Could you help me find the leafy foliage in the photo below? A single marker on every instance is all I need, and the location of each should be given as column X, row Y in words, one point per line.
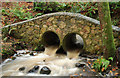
column 21, row 13
column 39, row 14
column 101, row 64
column 18, row 13
column 15, row 14
column 7, row 52
column 88, row 8
column 114, row 6
column 4, row 12
column 49, row 7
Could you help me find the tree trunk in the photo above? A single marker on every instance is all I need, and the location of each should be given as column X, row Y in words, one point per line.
column 106, row 27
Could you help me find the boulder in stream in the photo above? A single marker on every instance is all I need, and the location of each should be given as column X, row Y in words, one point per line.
column 31, row 54
column 79, row 65
column 34, row 69
column 22, row 69
column 45, row 70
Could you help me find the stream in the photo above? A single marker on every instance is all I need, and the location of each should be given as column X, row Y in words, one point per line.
column 59, row 65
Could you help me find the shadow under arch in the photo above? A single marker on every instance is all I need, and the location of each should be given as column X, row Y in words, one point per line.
column 50, row 38
column 73, row 41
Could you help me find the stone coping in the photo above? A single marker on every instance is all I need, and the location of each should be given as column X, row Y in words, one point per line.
column 78, row 15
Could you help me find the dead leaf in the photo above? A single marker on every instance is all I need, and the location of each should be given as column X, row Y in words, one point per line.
column 103, row 69
column 113, row 69
column 116, row 74
column 93, row 70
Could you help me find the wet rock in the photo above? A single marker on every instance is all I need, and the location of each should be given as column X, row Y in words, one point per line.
column 22, row 69
column 44, row 60
column 18, row 55
column 79, row 65
column 91, row 57
column 31, row 54
column 84, row 60
column 34, row 69
column 31, row 71
column 83, row 55
column 45, row 70
column 13, row 58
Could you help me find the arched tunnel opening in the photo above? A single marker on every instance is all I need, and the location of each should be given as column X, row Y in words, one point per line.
column 50, row 38
column 73, row 43
column 51, row 42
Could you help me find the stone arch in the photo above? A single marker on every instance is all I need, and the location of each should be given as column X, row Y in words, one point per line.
column 61, row 23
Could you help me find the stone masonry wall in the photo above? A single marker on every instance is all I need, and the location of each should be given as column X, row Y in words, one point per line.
column 61, row 23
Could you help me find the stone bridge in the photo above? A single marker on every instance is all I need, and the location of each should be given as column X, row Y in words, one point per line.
column 61, row 23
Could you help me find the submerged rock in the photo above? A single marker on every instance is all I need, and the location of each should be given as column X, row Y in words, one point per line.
column 34, row 69
column 31, row 54
column 22, row 69
column 79, row 65
column 31, row 71
column 45, row 70
column 13, row 58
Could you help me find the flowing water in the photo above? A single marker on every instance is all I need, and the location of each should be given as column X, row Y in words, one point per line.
column 59, row 66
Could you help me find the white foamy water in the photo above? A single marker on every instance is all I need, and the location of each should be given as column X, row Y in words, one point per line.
column 58, row 66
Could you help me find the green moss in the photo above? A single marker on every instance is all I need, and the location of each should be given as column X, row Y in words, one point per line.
column 108, row 38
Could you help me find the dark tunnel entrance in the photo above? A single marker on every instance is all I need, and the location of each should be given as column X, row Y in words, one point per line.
column 50, row 38
column 73, row 41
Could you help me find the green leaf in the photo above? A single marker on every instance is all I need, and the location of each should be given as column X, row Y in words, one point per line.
column 38, row 14
column 17, row 14
column 50, row 9
column 64, row 4
column 5, row 39
column 111, row 58
column 3, row 10
column 106, row 64
column 26, row 18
